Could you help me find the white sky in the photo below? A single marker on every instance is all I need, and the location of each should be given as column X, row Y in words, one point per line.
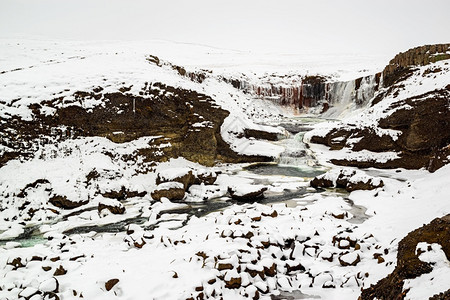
column 288, row 26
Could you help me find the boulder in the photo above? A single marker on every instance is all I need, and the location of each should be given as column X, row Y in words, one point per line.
column 49, row 285
column 170, row 190
column 247, row 192
column 111, row 283
column 349, row 259
column 114, row 206
column 184, row 176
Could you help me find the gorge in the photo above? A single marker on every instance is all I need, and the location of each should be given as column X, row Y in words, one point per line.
column 124, row 175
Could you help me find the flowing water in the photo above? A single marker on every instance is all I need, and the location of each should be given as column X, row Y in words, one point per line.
column 296, row 162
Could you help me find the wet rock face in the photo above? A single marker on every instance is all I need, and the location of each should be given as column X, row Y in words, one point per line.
column 189, row 121
column 408, row 263
column 401, row 65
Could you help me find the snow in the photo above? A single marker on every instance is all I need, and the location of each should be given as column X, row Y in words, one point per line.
column 164, row 239
column 170, row 185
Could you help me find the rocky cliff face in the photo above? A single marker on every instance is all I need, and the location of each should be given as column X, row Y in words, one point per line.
column 184, row 124
column 402, row 64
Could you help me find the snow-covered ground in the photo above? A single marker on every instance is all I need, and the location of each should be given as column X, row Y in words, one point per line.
column 312, row 245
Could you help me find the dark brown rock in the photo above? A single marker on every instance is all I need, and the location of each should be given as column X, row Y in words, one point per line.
column 260, row 134
column 353, row 263
column 320, row 182
column 63, row 202
column 187, row 179
column 222, row 266
column 60, row 271
column 111, row 283
column 114, row 209
column 16, row 263
column 171, row 193
column 252, row 196
column 401, row 64
column 160, row 111
column 123, row 194
column 233, row 283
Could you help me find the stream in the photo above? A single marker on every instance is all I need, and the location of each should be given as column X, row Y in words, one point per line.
column 297, row 161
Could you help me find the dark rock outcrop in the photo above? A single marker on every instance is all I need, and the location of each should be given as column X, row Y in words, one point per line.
column 408, row 263
column 63, row 202
column 175, row 114
column 347, row 179
column 401, row 66
column 260, row 134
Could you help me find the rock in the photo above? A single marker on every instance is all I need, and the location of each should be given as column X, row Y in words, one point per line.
column 222, row 266
column 111, row 283
column 419, row 56
column 16, row 263
column 260, row 134
column 207, row 178
column 247, row 193
column 233, row 283
column 123, row 194
column 63, row 202
column 28, row 292
column 49, row 285
column 348, row 179
column 184, row 176
column 408, row 263
column 170, row 190
column 60, row 271
column 321, row 182
column 349, row 259
column 271, row 271
column 114, row 206
column 441, row 296
column 193, row 134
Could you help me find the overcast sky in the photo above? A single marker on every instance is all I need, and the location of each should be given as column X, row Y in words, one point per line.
column 288, row 26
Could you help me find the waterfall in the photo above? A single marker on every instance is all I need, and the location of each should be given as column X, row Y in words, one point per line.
column 296, row 153
column 313, row 91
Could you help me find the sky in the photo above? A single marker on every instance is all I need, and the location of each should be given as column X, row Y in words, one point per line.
column 281, row 26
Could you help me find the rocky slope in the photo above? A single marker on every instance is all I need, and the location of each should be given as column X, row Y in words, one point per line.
column 409, row 262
